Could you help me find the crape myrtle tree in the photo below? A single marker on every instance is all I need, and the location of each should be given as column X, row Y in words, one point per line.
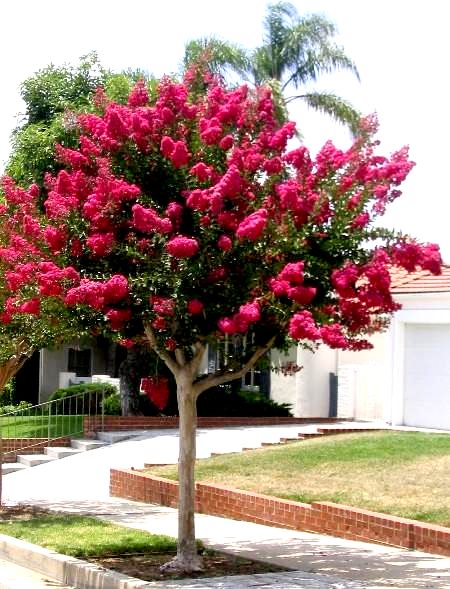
column 41, row 321
column 181, row 221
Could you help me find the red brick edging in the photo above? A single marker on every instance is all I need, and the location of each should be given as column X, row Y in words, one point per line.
column 323, row 517
column 117, row 422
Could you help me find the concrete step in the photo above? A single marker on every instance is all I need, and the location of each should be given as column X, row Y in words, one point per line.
column 113, row 437
column 86, row 444
column 9, row 467
column 61, row 451
column 34, row 459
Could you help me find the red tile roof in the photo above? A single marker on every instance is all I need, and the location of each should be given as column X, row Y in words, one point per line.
column 421, row 281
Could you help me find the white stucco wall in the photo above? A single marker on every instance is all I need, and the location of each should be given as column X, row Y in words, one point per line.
column 52, row 362
column 307, row 390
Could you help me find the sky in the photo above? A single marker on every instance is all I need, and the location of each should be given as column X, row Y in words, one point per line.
column 401, row 49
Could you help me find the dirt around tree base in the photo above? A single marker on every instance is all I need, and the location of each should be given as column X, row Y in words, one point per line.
column 147, row 566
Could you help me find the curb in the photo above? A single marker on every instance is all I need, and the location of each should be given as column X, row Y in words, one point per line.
column 65, row 569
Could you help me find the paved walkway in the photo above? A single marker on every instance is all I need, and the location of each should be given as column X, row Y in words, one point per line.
column 80, row 484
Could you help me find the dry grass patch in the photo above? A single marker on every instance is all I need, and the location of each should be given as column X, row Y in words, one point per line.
column 405, row 474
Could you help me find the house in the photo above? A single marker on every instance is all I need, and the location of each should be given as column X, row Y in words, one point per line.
column 72, row 363
column 403, row 380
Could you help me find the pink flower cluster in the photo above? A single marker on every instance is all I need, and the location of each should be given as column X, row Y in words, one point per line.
column 182, row 247
column 303, row 327
column 118, row 318
column 289, row 283
column 195, row 307
column 252, row 227
column 412, row 255
column 100, row 244
column 364, row 291
column 163, row 305
column 139, row 95
column 148, row 221
column 56, row 237
column 176, row 151
column 98, row 294
column 241, row 321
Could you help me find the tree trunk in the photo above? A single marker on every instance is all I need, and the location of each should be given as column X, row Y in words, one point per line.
column 187, row 559
column 130, row 376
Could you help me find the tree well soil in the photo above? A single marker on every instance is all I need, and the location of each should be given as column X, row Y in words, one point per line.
column 147, row 566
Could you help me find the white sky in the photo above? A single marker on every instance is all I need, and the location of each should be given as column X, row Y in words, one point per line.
column 401, row 48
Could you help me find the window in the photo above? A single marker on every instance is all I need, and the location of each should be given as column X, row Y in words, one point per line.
column 79, row 361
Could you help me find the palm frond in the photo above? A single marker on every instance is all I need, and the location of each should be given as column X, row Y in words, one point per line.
column 221, row 56
column 336, row 107
column 309, row 66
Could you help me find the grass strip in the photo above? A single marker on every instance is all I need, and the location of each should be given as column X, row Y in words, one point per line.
column 84, row 537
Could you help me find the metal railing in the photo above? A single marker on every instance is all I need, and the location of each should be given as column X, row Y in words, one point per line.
column 43, row 424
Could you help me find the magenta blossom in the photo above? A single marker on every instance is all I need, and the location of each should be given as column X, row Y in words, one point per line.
column 195, row 307
column 252, row 227
column 224, row 243
column 182, row 247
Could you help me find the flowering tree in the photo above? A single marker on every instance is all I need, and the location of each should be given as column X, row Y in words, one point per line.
column 181, row 221
column 36, row 322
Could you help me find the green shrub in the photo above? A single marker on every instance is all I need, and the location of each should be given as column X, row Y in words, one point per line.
column 12, row 408
column 222, row 401
column 94, row 394
column 111, row 404
column 7, row 395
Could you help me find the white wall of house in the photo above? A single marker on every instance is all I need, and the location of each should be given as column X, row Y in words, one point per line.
column 53, row 362
column 364, row 381
column 307, row 391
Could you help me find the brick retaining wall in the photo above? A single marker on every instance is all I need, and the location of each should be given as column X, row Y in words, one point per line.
column 13, row 446
column 323, row 517
column 116, row 422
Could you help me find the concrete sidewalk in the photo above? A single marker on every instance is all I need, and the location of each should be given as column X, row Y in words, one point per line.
column 79, row 484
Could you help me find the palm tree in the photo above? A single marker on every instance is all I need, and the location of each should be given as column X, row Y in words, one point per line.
column 295, row 51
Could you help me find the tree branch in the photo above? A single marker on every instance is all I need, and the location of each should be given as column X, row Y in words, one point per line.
column 216, row 379
column 180, row 357
column 197, row 358
column 165, row 356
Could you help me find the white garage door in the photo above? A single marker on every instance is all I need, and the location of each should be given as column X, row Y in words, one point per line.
column 427, row 376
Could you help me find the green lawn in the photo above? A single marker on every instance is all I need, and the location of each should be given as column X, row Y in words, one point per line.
column 85, row 536
column 402, row 473
column 40, row 426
